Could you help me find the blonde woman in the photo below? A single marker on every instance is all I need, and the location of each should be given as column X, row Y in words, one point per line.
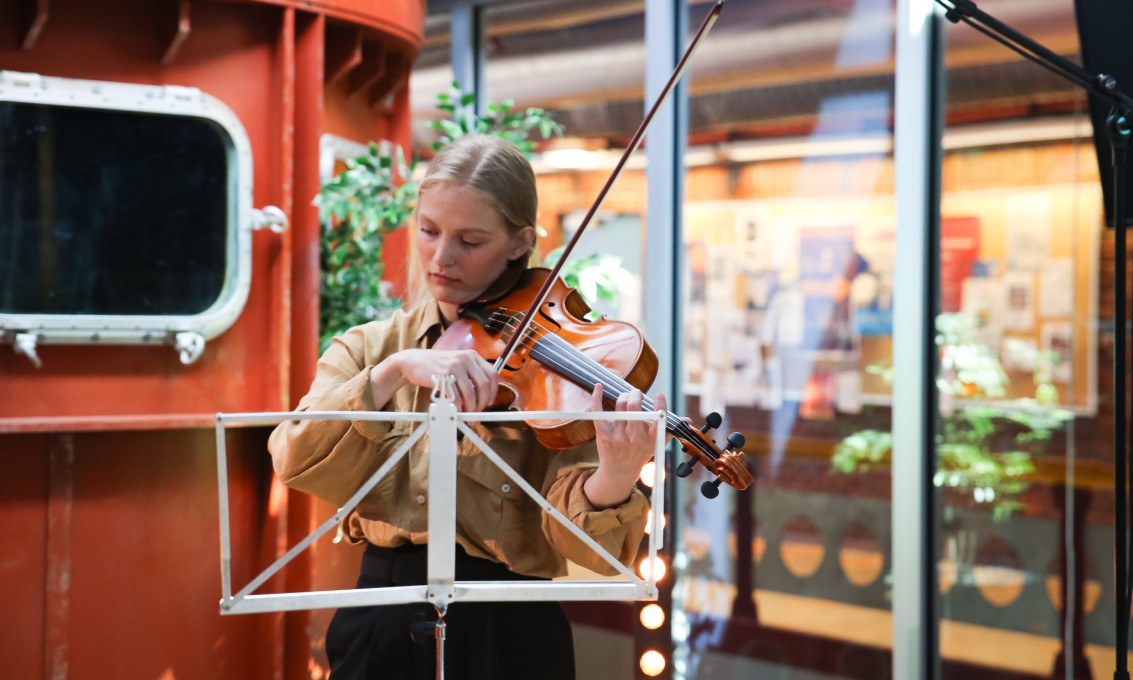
column 474, row 231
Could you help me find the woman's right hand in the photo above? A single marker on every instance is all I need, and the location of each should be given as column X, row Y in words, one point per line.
column 476, row 380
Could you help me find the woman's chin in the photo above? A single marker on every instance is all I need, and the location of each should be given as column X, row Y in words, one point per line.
column 449, row 296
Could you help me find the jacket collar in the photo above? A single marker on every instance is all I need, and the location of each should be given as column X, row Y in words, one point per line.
column 428, row 318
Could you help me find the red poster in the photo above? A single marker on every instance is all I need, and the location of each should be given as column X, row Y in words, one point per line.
column 959, row 249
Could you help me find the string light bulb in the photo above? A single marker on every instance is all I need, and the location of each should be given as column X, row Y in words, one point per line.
column 648, row 473
column 652, row 616
column 647, row 567
column 649, row 522
column 652, row 663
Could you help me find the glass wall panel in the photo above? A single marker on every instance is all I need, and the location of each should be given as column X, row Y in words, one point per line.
column 789, row 228
column 1025, row 470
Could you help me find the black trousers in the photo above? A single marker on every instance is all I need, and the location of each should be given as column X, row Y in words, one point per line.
column 483, row 641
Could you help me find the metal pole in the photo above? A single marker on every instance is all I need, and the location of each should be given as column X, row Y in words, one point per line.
column 439, row 631
column 1119, row 141
column 916, row 142
column 467, row 52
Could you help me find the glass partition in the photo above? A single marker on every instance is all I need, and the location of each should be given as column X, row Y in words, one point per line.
column 789, row 225
column 1024, row 471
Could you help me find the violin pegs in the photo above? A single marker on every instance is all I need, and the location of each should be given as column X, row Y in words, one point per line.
column 711, row 422
column 735, row 441
column 711, row 489
column 685, row 468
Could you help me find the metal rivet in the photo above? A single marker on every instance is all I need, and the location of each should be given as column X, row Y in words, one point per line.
column 505, row 488
column 421, row 499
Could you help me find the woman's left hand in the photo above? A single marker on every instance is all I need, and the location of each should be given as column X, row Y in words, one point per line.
column 624, row 446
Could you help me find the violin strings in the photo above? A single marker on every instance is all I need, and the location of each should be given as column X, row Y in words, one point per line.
column 617, row 382
column 586, row 362
column 675, row 424
column 560, row 350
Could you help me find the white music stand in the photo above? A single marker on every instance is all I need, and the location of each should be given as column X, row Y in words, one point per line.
column 442, row 422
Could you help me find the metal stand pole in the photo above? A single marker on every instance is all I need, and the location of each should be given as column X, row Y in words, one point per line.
column 442, row 508
column 440, row 635
column 1119, row 142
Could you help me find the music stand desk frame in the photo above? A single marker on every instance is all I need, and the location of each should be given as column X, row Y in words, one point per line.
column 442, row 422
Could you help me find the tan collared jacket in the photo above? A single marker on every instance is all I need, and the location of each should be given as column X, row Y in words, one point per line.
column 495, row 519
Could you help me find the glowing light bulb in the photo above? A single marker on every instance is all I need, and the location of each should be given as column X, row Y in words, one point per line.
column 648, row 472
column 646, row 567
column 652, row 616
column 649, row 522
column 652, row 663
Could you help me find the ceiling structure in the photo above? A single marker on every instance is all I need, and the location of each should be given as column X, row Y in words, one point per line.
column 768, row 68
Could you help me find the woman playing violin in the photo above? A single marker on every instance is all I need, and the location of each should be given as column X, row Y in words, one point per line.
column 475, row 231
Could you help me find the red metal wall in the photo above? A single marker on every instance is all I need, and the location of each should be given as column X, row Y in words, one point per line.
column 109, row 550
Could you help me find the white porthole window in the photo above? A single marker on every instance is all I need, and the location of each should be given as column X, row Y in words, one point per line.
column 125, row 214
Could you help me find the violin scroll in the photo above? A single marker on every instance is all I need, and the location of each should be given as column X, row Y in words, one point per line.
column 729, row 465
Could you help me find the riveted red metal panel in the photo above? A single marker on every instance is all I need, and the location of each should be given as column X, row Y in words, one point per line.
column 397, row 242
column 109, row 565
column 405, row 20
column 23, row 552
column 231, row 52
column 229, row 55
column 144, row 554
column 109, row 555
column 302, row 76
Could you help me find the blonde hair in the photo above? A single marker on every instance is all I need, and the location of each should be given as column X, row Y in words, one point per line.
column 492, row 167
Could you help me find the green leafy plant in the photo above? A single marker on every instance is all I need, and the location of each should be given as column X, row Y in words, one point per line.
column 377, row 193
column 984, row 445
column 501, row 120
column 358, row 207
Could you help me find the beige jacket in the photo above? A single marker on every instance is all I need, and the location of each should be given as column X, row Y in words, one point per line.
column 495, row 519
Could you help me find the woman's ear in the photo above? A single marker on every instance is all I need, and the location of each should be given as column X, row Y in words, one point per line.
column 522, row 243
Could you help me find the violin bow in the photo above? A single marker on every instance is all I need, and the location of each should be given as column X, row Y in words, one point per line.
column 705, row 26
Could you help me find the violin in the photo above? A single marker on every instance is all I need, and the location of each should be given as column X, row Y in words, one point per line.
column 562, row 357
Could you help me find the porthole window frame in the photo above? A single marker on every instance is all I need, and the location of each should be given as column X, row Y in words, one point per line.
column 187, row 333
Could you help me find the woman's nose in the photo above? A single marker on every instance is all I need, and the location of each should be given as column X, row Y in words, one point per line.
column 443, row 255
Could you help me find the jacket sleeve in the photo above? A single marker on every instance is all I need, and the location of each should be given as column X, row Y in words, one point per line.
column 330, row 458
column 618, row 529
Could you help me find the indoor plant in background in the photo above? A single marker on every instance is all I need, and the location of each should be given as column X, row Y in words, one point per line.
column 377, row 193
column 985, row 443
